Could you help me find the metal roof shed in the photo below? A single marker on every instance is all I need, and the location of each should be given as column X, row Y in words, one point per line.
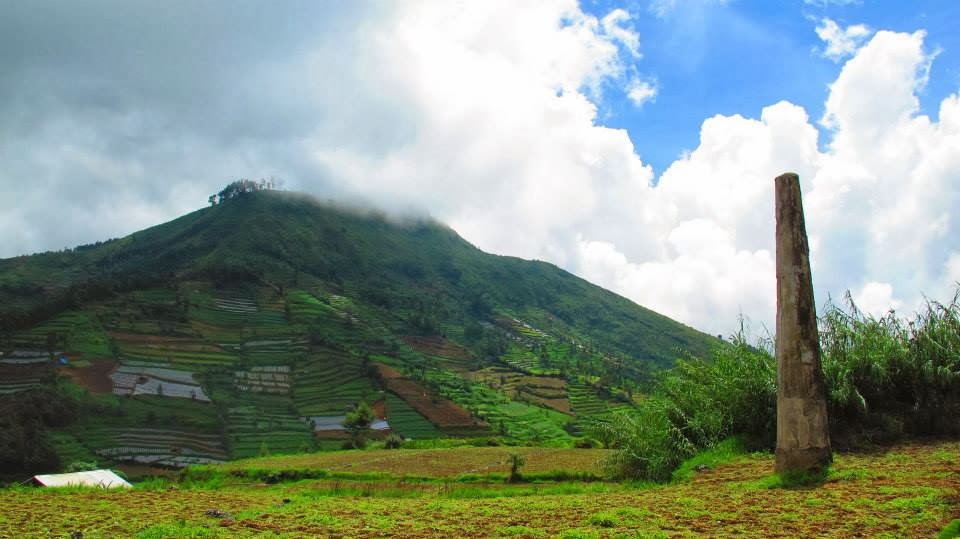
column 92, row 478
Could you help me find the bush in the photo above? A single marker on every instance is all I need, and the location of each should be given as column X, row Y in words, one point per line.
column 393, row 441
column 694, row 406
column 884, row 377
column 516, row 461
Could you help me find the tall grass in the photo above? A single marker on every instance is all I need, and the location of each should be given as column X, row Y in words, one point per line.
column 885, row 378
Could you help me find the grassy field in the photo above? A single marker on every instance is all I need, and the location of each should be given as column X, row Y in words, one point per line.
column 910, row 491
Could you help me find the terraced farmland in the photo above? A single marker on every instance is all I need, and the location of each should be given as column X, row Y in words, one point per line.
column 441, row 412
column 265, row 379
column 268, row 426
column 15, row 377
column 331, row 380
column 147, row 380
column 166, row 447
column 407, row 421
column 75, row 331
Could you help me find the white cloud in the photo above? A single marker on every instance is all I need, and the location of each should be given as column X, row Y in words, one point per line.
column 485, row 113
column 613, row 27
column 828, row 3
column 662, row 8
column 841, row 42
column 876, row 299
column 641, row 91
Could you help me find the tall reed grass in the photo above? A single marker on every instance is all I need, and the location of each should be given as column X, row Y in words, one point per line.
column 886, row 378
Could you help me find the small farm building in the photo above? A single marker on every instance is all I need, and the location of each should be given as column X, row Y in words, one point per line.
column 92, row 478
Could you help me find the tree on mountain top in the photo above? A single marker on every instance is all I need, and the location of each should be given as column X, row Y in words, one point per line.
column 242, row 187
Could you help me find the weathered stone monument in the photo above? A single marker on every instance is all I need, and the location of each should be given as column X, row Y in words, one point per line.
column 803, row 436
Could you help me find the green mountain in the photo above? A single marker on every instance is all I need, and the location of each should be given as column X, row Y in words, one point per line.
column 254, row 325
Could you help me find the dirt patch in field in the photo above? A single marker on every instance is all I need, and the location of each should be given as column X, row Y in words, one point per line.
column 95, row 378
column 439, row 411
column 438, row 346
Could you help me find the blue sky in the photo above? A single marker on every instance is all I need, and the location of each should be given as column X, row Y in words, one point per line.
column 513, row 122
column 735, row 57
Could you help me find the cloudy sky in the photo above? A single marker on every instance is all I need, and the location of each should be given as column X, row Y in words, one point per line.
column 633, row 143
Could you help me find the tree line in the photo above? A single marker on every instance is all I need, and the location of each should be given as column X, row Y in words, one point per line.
column 242, row 187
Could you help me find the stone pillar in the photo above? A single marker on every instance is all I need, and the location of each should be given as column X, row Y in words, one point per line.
column 803, row 435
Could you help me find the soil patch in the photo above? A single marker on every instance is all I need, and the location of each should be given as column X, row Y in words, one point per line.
column 95, row 377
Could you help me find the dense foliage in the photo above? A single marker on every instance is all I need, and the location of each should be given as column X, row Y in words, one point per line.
column 885, row 378
column 25, row 446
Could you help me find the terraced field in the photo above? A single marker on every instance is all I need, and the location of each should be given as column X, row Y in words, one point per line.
column 250, row 366
column 132, row 379
column 166, row 447
column 274, row 379
column 75, row 331
column 441, row 412
column 407, row 421
column 331, row 380
column 267, row 427
column 16, row 377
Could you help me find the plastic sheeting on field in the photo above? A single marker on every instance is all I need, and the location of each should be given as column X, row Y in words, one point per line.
column 92, row 478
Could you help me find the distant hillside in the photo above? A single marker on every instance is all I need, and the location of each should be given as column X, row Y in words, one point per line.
column 253, row 325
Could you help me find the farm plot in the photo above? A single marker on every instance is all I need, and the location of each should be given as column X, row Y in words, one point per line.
column 272, row 351
column 526, row 422
column 16, row 377
column 94, row 377
column 160, row 349
column 443, row 413
column 339, row 321
column 445, row 353
column 330, row 381
column 139, row 380
column 266, row 427
column 74, row 332
column 235, row 316
column 407, row 422
column 264, row 379
column 163, row 447
column 548, row 391
column 437, row 463
column 586, row 402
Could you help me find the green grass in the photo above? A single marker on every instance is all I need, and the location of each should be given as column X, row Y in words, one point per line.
column 722, row 453
column 951, row 531
column 407, row 422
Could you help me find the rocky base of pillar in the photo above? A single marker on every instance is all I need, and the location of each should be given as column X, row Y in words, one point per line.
column 814, row 459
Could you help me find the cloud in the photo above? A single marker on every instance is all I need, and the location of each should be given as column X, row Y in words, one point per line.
column 640, row 92
column 876, row 299
column 613, row 27
column 827, row 3
column 841, row 42
column 485, row 115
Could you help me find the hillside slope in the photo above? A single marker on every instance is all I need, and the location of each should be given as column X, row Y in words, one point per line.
column 253, row 325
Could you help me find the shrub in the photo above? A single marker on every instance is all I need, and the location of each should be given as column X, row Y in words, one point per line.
column 516, row 461
column 884, row 377
column 393, row 441
column 694, row 406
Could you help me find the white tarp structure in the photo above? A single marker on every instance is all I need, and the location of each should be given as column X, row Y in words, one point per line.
column 92, row 478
